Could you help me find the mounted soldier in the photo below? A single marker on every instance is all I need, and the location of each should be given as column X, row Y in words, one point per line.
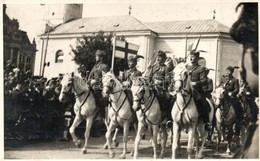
column 129, row 75
column 231, row 85
column 159, row 78
column 208, row 88
column 198, row 76
column 95, row 78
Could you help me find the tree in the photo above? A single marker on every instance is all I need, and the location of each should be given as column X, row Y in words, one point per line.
column 85, row 52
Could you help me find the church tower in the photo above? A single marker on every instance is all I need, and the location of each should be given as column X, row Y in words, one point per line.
column 58, row 14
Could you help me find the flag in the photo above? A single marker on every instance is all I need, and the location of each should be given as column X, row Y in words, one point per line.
column 124, row 49
column 194, row 45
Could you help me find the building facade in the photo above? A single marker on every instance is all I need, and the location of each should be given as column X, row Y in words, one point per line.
column 17, row 47
column 174, row 37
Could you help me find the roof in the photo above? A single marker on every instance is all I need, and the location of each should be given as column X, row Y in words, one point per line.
column 96, row 24
column 196, row 26
column 129, row 23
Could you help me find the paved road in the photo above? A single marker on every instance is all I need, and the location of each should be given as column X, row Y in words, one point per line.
column 66, row 150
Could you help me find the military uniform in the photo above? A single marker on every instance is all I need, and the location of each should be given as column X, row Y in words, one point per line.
column 128, row 78
column 231, row 85
column 158, row 76
column 198, row 76
column 96, row 74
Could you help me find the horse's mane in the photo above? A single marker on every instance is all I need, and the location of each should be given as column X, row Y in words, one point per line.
column 112, row 75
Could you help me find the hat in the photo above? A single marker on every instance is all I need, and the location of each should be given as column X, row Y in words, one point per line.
column 161, row 53
column 100, row 53
column 195, row 53
column 134, row 58
column 231, row 69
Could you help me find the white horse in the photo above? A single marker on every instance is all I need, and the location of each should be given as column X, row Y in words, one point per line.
column 119, row 113
column 148, row 113
column 225, row 117
column 185, row 114
column 84, row 107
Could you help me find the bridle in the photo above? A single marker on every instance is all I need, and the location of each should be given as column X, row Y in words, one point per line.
column 147, row 102
column 110, row 86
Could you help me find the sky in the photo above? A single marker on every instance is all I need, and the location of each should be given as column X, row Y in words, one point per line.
column 32, row 16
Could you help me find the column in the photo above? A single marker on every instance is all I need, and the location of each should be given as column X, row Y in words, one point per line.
column 18, row 58
column 11, row 54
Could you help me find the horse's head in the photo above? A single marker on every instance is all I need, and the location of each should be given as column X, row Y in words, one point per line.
column 138, row 90
column 109, row 82
column 66, row 86
column 180, row 75
column 218, row 96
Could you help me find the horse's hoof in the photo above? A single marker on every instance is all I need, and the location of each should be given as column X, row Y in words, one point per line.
column 105, row 146
column 131, row 153
column 161, row 156
column 111, row 154
column 228, row 153
column 116, row 143
column 143, row 137
column 122, row 156
column 84, row 151
column 77, row 143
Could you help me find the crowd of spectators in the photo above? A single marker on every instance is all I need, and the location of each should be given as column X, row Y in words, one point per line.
column 31, row 106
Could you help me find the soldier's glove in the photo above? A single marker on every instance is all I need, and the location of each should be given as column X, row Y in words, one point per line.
column 126, row 84
column 157, row 82
column 193, row 83
column 93, row 81
column 230, row 94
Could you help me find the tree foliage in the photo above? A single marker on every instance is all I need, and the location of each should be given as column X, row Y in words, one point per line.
column 85, row 52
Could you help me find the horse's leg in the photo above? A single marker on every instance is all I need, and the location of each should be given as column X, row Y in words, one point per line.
column 78, row 119
column 111, row 128
column 218, row 127
column 115, row 142
column 203, row 135
column 125, row 137
column 229, row 138
column 176, row 138
column 154, row 143
column 106, row 123
column 191, row 136
column 164, row 140
column 138, row 138
column 89, row 122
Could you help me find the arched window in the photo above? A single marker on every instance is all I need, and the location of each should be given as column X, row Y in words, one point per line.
column 59, row 56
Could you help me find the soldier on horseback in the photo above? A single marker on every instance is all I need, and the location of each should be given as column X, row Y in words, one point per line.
column 129, row 75
column 231, row 85
column 198, row 76
column 95, row 78
column 159, row 79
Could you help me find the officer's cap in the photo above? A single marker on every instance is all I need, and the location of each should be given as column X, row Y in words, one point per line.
column 231, row 68
column 100, row 53
column 134, row 58
column 161, row 53
column 195, row 53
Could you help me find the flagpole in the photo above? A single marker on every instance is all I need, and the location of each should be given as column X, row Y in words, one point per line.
column 113, row 54
column 114, row 48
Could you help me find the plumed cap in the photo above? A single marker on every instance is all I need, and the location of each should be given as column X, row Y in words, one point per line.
column 195, row 53
column 134, row 58
column 100, row 53
column 161, row 53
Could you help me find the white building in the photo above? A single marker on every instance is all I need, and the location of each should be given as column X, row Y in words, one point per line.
column 172, row 36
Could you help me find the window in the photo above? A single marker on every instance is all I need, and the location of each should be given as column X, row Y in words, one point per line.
column 59, row 56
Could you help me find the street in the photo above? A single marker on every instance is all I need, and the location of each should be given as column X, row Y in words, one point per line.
column 67, row 150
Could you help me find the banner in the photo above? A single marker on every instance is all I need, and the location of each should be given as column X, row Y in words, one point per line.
column 124, row 49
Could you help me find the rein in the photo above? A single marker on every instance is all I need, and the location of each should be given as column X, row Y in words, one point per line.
column 79, row 95
column 151, row 97
column 117, row 100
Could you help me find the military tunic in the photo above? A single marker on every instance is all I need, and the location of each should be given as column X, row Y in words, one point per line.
column 198, row 75
column 97, row 74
